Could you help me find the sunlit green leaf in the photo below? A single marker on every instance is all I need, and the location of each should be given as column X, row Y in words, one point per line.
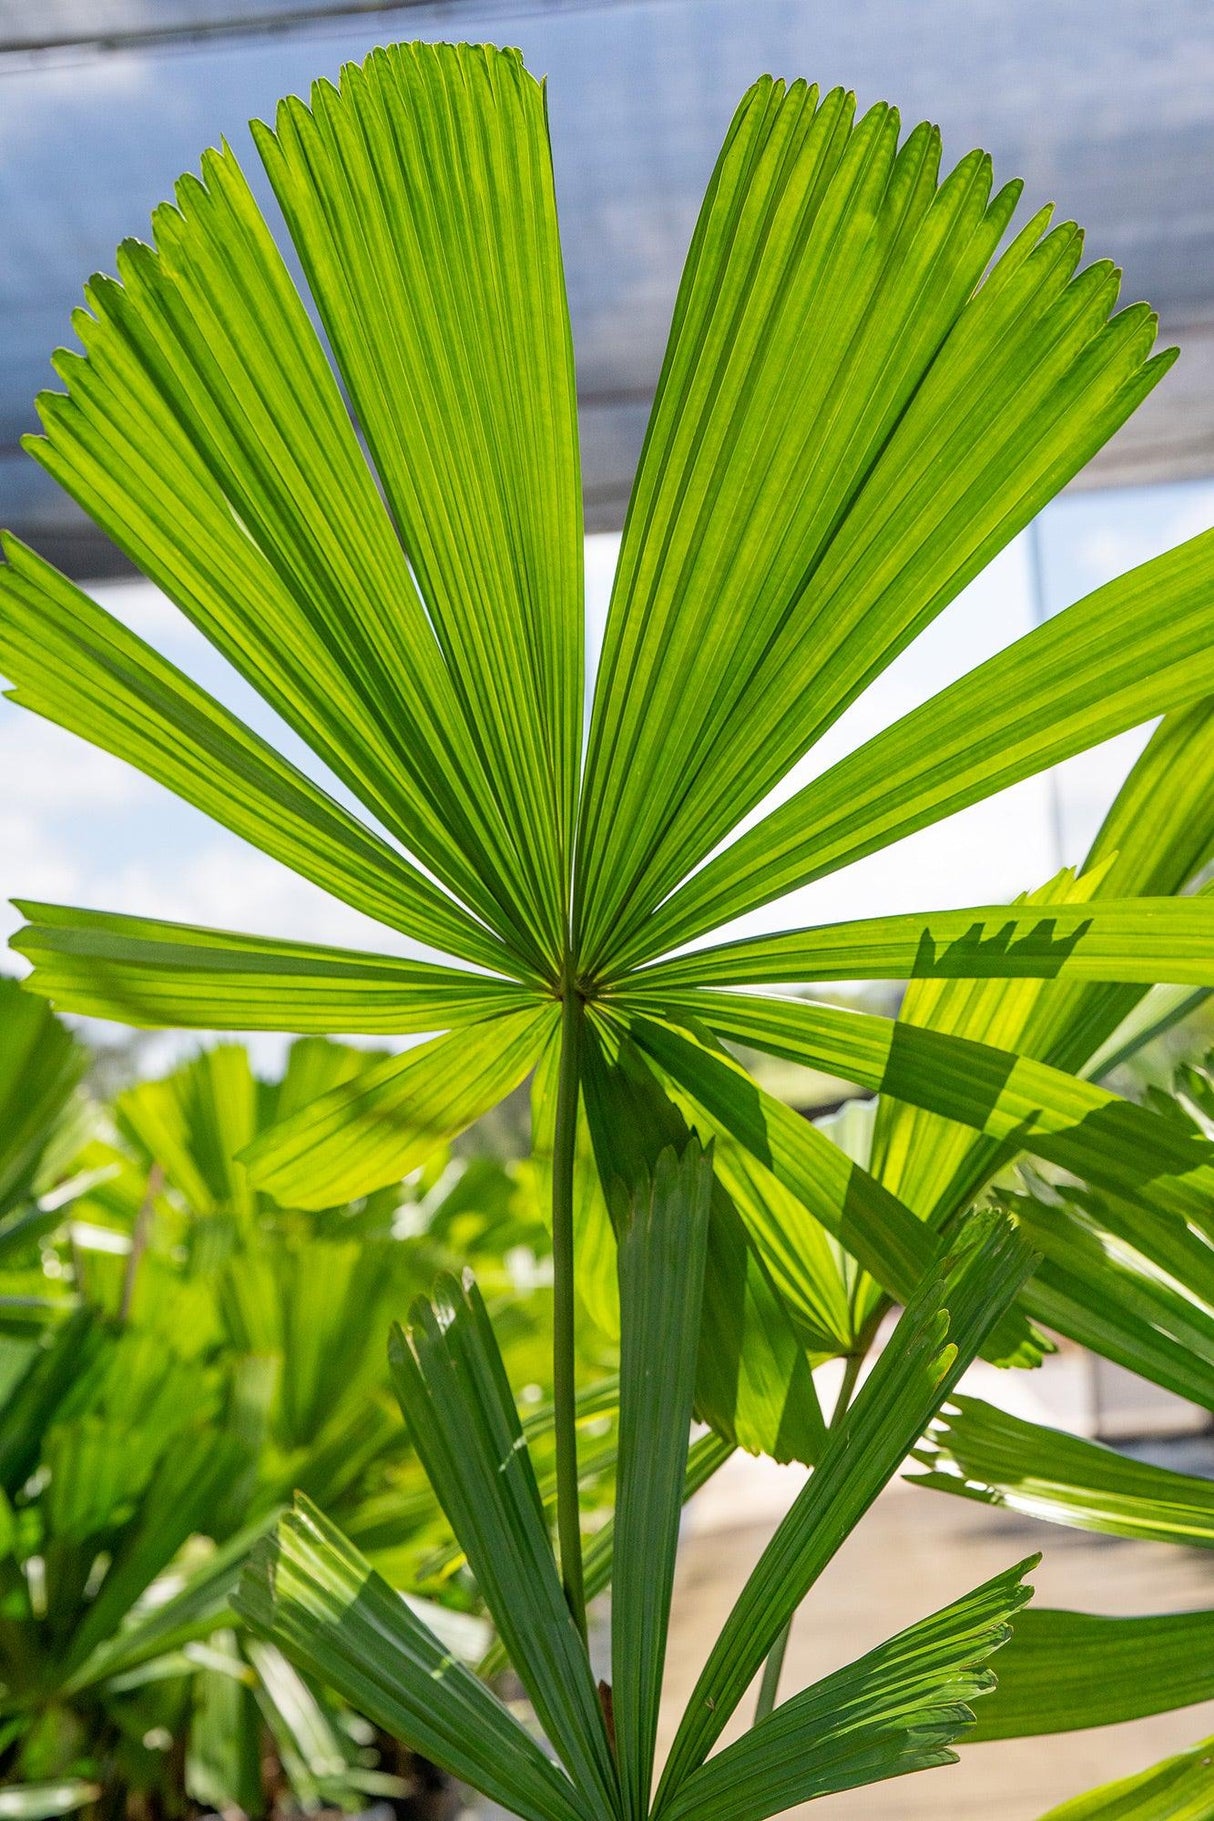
column 79, row 666
column 375, row 1128
column 1134, row 939
column 663, row 1244
column 149, row 973
column 895, row 1710
column 204, row 430
column 999, row 1459
column 866, row 480
column 939, row 1335
column 1066, row 1670
column 1179, row 1789
column 420, row 199
column 310, row 1590
column 1133, row 648
column 456, row 1399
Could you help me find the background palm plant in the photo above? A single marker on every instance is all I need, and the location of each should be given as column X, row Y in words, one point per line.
column 196, row 1353
column 862, row 402
column 41, row 1066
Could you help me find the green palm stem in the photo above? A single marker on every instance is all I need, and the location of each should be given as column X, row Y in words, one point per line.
column 564, row 1385
column 775, row 1658
column 771, row 1674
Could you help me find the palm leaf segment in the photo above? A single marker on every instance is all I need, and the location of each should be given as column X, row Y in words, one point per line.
column 862, row 402
column 893, row 1711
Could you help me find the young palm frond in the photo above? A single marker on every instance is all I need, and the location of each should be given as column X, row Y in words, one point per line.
column 862, row 402
column 860, row 405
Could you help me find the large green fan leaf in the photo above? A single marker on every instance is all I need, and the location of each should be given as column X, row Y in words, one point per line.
column 845, row 431
column 420, row 198
column 895, row 1710
column 149, row 973
column 863, row 400
column 1133, row 648
column 204, row 430
column 80, row 667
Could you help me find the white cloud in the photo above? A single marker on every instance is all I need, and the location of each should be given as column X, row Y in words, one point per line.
column 46, row 770
column 228, row 885
column 34, row 863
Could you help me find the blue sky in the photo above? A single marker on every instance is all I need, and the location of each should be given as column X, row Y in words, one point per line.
column 79, row 827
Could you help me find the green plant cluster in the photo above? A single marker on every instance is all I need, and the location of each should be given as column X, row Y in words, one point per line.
column 178, row 1357
column 875, row 379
